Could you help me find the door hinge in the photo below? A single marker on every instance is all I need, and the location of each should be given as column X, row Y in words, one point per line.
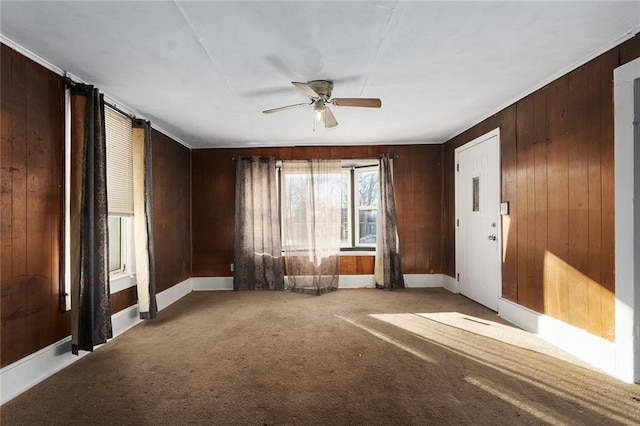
column 457, row 222
column 458, row 277
column 457, row 167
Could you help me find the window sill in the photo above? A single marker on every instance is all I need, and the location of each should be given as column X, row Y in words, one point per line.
column 121, row 281
column 358, row 253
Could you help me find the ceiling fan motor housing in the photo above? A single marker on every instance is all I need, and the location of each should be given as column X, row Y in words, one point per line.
column 322, row 87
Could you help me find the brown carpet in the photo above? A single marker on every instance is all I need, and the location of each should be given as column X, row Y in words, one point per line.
column 414, row 356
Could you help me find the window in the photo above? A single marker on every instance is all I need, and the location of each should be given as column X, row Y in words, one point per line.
column 359, row 207
column 119, row 139
column 475, row 184
column 116, row 262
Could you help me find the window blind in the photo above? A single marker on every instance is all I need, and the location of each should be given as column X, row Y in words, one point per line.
column 119, row 138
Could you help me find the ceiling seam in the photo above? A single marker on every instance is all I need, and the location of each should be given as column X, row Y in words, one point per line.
column 381, row 40
column 200, row 42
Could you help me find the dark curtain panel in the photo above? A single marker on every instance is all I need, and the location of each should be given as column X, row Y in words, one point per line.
column 90, row 302
column 257, row 251
column 143, row 219
column 388, row 263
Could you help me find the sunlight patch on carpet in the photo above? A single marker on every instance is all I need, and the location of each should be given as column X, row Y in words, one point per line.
column 388, row 339
column 500, row 351
column 524, row 406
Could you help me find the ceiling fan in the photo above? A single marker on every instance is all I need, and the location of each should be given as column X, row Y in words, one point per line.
column 319, row 93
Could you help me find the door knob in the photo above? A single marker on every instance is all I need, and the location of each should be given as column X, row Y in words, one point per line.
column 492, row 237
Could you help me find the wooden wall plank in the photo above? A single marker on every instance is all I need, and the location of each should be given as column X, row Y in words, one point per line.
column 348, row 265
column 609, row 61
column 540, row 191
column 18, row 285
column 404, row 185
column 449, row 206
column 594, row 174
column 578, row 200
column 365, row 265
column 123, row 299
column 172, row 210
column 32, row 136
column 557, row 253
column 509, row 194
column 522, row 205
column 628, row 51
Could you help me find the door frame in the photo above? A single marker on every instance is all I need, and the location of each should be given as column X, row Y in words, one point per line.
column 627, row 227
column 470, row 144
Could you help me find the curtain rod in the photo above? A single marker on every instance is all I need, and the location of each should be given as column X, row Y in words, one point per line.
column 394, row 157
column 114, row 107
column 70, row 83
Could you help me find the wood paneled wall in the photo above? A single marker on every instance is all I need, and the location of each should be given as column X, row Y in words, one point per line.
column 171, row 164
column 32, row 172
column 172, row 210
column 558, row 176
column 418, row 186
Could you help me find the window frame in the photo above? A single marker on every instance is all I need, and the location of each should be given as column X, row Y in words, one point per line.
column 125, row 277
column 358, row 208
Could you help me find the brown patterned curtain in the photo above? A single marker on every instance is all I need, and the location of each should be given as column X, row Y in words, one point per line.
column 388, row 264
column 143, row 219
column 90, row 302
column 257, row 251
column 311, row 219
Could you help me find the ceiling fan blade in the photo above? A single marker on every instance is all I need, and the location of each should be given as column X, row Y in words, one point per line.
column 357, row 102
column 269, row 111
column 329, row 118
column 304, row 88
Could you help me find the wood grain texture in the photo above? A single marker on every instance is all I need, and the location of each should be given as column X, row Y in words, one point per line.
column 594, row 178
column 535, row 289
column 123, row 299
column 578, row 199
column 417, row 177
column 558, row 174
column 557, row 252
column 172, row 210
column 31, row 200
column 32, row 136
column 609, row 61
column 509, row 195
column 628, row 51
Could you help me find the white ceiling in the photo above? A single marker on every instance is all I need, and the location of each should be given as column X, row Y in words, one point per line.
column 203, row 71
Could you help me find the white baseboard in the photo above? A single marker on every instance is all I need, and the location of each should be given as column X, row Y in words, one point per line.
column 346, row 281
column 174, row 293
column 423, row 280
column 212, row 283
column 357, row 281
column 32, row 369
column 592, row 349
column 450, row 283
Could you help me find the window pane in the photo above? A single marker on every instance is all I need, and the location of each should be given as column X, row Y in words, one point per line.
column 368, row 188
column 476, row 194
column 344, row 220
column 368, row 226
column 115, row 243
column 119, row 140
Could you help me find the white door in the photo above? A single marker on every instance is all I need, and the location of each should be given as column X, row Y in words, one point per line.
column 478, row 238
